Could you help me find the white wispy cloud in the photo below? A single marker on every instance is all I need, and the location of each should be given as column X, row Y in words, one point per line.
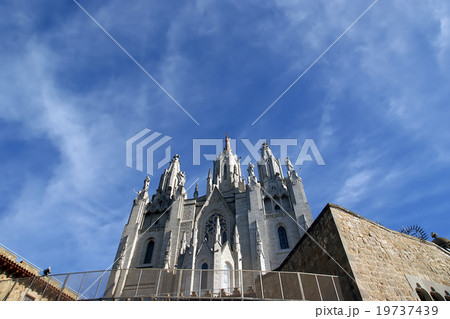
column 355, row 188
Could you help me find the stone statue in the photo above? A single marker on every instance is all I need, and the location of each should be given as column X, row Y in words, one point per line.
column 227, row 142
column 181, row 178
column 121, row 254
column 441, row 241
column 146, row 183
column 250, row 169
column 290, row 168
column 289, row 165
column 143, row 193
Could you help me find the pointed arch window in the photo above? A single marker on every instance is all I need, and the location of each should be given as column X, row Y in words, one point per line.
column 210, row 227
column 149, row 252
column 282, row 236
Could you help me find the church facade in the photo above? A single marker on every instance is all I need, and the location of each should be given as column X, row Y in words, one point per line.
column 238, row 224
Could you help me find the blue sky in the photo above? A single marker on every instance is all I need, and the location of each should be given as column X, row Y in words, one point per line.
column 376, row 106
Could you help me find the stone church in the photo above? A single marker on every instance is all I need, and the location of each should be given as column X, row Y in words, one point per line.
column 239, row 224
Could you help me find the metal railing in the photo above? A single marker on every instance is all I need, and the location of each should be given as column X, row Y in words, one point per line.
column 175, row 284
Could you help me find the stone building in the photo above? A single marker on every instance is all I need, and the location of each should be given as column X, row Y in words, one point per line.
column 236, row 225
column 20, row 280
column 373, row 262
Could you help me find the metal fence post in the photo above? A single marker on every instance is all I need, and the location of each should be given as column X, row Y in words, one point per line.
column 139, row 281
column 200, row 283
column 335, row 289
column 81, row 285
column 262, row 288
column 281, row 286
column 179, row 283
column 301, row 287
column 45, row 288
column 157, row 285
column 241, row 281
column 62, row 287
column 28, row 288
column 318, row 287
column 98, row 286
column 9, row 292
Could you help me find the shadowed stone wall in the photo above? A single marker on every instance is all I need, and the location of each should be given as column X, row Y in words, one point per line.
column 315, row 251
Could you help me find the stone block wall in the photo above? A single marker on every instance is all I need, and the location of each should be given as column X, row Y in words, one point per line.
column 374, row 262
column 381, row 258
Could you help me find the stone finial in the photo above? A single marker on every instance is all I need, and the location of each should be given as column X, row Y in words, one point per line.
column 196, row 191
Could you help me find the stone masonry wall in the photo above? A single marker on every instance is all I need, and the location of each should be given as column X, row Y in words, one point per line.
column 380, row 258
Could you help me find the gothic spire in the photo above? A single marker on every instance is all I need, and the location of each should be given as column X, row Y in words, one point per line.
column 269, row 167
column 227, row 169
column 171, row 177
